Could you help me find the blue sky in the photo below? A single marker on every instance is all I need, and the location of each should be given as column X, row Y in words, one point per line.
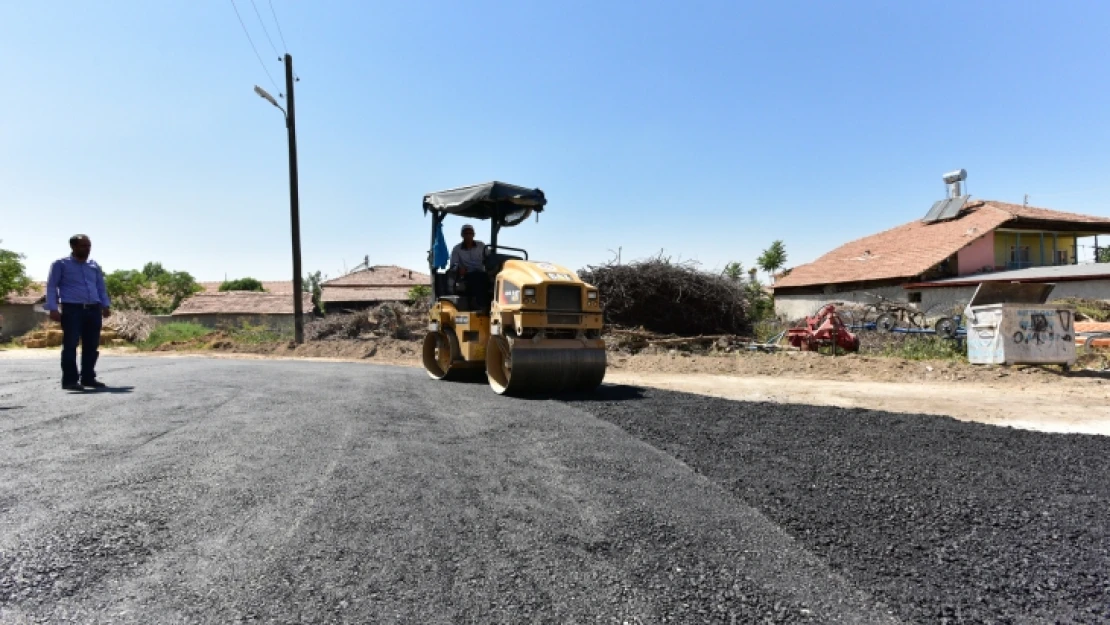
column 702, row 129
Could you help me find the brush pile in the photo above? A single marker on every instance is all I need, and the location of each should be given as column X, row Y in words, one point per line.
column 131, row 325
column 391, row 320
column 670, row 298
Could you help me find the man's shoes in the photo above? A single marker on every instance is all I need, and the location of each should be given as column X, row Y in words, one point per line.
column 93, row 384
column 73, row 387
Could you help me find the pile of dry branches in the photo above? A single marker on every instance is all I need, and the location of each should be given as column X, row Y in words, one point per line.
column 385, row 320
column 132, row 325
column 670, row 298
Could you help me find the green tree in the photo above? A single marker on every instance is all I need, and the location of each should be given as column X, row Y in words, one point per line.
column 773, row 258
column 420, row 292
column 734, row 271
column 13, row 275
column 129, row 289
column 242, row 284
column 1103, row 255
column 175, row 286
column 311, row 284
column 153, row 271
column 154, row 290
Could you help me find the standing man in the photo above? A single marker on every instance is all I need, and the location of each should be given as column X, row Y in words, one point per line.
column 77, row 283
column 469, row 260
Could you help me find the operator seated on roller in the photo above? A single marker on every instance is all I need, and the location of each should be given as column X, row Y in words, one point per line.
column 468, row 264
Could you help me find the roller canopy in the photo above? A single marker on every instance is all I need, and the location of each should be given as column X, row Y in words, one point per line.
column 507, row 202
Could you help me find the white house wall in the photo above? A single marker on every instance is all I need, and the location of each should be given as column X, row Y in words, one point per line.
column 793, row 307
column 935, row 301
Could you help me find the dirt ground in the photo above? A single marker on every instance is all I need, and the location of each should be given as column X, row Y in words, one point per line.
column 1029, row 397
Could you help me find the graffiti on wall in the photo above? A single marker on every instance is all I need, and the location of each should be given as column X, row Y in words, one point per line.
column 1038, row 327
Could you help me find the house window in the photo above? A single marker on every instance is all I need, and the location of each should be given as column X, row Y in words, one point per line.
column 1019, row 256
column 915, row 297
column 1061, row 257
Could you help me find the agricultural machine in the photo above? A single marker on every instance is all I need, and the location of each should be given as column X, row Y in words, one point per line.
column 825, row 329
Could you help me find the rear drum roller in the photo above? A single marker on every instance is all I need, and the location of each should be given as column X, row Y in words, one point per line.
column 524, row 367
column 441, row 350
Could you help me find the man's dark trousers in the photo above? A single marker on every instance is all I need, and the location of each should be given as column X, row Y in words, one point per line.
column 80, row 324
column 477, row 289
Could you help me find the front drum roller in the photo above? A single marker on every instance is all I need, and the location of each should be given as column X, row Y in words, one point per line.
column 525, row 367
column 441, row 351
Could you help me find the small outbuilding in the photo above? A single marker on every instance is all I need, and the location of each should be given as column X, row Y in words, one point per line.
column 22, row 312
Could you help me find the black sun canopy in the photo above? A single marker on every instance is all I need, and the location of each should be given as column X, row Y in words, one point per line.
column 507, row 203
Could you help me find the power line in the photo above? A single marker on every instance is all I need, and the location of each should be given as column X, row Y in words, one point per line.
column 281, row 35
column 256, row 54
column 267, row 33
column 283, row 46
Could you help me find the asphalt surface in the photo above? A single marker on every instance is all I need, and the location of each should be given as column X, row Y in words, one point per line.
column 219, row 491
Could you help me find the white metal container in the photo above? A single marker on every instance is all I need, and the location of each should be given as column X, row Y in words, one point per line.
column 1009, row 323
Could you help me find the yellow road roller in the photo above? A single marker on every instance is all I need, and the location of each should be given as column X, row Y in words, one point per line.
column 534, row 327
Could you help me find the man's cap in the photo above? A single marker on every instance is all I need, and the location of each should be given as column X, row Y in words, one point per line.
column 465, row 228
column 78, row 237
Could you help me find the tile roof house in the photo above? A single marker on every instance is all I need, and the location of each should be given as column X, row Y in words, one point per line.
column 373, row 285
column 985, row 236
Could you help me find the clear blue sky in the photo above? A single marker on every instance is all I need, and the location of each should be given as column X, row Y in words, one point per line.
column 704, row 129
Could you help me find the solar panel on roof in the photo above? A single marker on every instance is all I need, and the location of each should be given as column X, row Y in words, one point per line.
column 934, row 212
column 953, row 207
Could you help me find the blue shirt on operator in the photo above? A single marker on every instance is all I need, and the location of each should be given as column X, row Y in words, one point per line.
column 74, row 282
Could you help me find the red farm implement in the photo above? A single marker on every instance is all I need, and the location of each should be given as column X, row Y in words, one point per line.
column 824, row 329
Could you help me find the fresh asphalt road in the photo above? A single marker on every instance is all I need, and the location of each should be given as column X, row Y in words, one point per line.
column 199, row 490
column 217, row 491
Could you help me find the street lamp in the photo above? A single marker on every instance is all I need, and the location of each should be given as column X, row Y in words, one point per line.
column 269, row 98
column 294, row 201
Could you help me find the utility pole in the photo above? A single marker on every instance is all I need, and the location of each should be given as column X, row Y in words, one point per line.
column 294, row 204
column 294, row 198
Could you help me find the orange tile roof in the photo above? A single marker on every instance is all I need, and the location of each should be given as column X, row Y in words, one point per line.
column 380, row 275
column 242, row 303
column 913, row 248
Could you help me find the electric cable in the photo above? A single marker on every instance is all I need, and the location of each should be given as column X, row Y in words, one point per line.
column 265, row 31
column 283, row 45
column 256, row 54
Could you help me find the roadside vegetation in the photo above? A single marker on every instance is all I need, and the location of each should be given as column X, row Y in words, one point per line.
column 926, row 348
column 173, row 332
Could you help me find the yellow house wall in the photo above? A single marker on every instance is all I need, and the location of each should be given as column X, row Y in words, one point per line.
column 1003, row 241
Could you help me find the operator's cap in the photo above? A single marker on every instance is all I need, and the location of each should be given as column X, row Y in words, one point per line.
column 465, row 228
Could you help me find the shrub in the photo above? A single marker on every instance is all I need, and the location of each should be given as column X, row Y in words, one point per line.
column 242, row 284
column 926, row 348
column 255, row 334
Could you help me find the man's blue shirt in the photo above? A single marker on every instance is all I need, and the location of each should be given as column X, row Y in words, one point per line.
column 74, row 282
